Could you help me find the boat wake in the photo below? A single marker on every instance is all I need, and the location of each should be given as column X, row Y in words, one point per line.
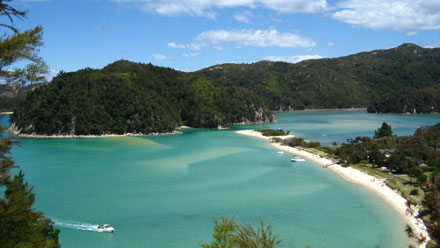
column 76, row 225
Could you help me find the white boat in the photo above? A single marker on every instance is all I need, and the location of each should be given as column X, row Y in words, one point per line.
column 105, row 228
column 280, row 152
column 298, row 159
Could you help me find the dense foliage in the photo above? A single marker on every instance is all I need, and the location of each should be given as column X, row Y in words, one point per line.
column 408, row 101
column 398, row 154
column 271, row 132
column 384, row 131
column 20, row 225
column 352, row 81
column 127, row 97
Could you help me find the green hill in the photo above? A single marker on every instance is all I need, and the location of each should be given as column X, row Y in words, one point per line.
column 127, row 97
column 351, row 81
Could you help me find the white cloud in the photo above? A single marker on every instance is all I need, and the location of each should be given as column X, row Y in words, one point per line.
column 159, row 56
column 193, row 46
column 331, row 44
column 191, row 55
column 435, row 45
column 174, row 45
column 276, row 19
column 250, row 37
column 206, row 8
column 295, row 6
column 244, row 17
column 292, row 59
column 398, row 15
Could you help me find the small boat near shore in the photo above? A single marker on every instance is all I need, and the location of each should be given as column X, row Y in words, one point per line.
column 298, row 159
column 105, row 228
column 280, row 152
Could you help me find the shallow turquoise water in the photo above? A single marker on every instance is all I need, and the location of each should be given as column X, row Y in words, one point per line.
column 165, row 191
column 330, row 126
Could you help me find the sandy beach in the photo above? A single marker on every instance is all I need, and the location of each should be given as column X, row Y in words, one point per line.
column 359, row 177
column 337, row 109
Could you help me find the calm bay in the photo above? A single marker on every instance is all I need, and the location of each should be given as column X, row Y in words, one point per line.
column 166, row 191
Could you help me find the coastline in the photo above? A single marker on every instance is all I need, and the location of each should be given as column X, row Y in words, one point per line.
column 373, row 183
column 326, row 110
column 35, row 136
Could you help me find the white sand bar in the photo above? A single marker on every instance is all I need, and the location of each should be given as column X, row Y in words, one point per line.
column 378, row 185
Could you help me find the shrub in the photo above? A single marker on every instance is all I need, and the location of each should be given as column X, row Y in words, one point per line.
column 414, row 192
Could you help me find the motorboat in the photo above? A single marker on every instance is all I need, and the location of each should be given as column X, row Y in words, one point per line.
column 105, row 228
column 280, row 152
column 298, row 159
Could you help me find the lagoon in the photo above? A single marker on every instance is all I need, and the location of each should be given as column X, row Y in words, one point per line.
column 166, row 191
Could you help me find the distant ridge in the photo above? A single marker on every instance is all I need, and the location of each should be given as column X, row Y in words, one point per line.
column 351, row 81
column 127, row 97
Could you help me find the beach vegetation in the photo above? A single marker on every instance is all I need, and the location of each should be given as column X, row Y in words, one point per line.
column 272, row 132
column 409, row 231
column 414, row 192
column 296, row 141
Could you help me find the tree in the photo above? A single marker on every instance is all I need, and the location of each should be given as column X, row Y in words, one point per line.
column 228, row 234
column 375, row 157
column 383, row 131
column 9, row 11
column 20, row 46
column 20, row 226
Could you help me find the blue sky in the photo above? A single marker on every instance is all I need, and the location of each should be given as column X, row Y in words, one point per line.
column 190, row 35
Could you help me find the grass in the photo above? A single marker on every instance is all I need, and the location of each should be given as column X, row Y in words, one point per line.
column 405, row 188
column 371, row 171
column 401, row 183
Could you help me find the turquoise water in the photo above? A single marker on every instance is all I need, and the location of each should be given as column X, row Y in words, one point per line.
column 165, row 191
column 330, row 126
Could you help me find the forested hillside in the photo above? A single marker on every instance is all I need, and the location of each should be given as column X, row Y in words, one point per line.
column 142, row 98
column 408, row 101
column 352, row 81
column 126, row 97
